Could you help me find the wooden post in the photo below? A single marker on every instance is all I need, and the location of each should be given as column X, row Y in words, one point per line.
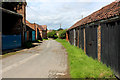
column 84, row 41
column 99, row 42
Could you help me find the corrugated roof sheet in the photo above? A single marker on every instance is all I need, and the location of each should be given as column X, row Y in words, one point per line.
column 106, row 12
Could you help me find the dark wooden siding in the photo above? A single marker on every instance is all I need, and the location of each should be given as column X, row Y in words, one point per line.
column 91, row 41
column 76, row 37
column 81, row 38
column 110, row 47
column 71, row 37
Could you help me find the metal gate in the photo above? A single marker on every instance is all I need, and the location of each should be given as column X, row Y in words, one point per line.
column 110, row 47
column 91, row 41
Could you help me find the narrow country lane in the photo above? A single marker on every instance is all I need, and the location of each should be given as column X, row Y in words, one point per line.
column 48, row 60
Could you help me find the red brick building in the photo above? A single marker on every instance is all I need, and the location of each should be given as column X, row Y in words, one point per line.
column 43, row 31
column 11, row 29
column 21, row 9
column 30, row 31
column 40, row 31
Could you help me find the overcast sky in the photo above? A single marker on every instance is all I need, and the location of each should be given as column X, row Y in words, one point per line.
column 65, row 12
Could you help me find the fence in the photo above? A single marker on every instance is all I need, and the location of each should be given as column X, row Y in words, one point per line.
column 102, row 42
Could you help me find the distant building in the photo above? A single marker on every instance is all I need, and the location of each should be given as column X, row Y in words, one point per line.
column 49, row 31
column 35, row 31
column 43, row 31
column 30, row 31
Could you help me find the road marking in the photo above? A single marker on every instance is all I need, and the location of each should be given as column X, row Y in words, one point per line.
column 60, row 74
column 18, row 63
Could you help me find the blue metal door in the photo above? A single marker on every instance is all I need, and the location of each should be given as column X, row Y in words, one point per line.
column 33, row 35
column 11, row 41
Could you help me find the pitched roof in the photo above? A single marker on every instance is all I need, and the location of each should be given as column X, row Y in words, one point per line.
column 42, row 27
column 30, row 25
column 27, row 22
column 106, row 12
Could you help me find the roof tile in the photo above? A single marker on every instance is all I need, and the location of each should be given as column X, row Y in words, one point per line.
column 108, row 11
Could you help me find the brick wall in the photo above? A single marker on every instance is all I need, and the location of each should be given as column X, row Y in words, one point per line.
column 44, row 34
column 99, row 42
column 67, row 36
column 27, row 35
column 22, row 11
column 84, row 40
column 36, row 33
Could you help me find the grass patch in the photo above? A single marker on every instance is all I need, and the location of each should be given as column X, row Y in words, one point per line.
column 45, row 39
column 82, row 66
column 7, row 54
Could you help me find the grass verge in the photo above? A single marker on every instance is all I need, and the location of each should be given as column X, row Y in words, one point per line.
column 45, row 39
column 82, row 66
column 8, row 54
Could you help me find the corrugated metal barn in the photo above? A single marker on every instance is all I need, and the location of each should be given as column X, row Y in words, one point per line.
column 99, row 35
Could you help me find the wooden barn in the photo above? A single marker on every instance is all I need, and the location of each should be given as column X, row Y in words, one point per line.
column 99, row 35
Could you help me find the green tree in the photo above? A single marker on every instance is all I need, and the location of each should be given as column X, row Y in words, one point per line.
column 52, row 34
column 62, row 34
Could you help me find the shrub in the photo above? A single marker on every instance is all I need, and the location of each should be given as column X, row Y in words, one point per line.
column 52, row 34
column 62, row 34
column 55, row 36
column 28, row 44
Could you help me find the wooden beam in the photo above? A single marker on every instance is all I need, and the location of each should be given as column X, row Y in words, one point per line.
column 10, row 12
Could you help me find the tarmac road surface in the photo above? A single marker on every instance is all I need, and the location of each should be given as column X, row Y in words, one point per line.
column 48, row 60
